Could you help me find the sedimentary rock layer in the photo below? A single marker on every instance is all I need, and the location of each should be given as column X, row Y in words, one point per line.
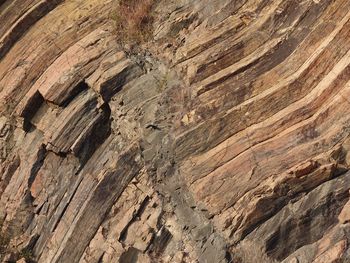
column 222, row 138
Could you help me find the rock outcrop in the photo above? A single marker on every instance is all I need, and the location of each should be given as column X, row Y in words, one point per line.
column 223, row 138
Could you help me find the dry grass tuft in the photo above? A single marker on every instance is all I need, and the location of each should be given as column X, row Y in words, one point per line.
column 134, row 21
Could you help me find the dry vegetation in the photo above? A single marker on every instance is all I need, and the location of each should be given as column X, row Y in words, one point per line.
column 134, row 20
column 6, row 249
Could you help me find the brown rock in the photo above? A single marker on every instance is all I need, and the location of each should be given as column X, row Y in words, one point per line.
column 344, row 216
column 224, row 138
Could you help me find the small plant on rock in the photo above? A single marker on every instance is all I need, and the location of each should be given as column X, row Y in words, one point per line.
column 133, row 20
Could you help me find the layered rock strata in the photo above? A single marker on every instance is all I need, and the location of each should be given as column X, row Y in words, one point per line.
column 224, row 138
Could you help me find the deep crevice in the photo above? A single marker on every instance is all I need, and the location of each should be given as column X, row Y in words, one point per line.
column 228, row 257
column 41, row 155
column 30, row 109
column 160, row 242
column 124, row 232
column 96, row 136
column 82, row 86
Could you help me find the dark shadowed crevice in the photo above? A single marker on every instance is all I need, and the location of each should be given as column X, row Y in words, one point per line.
column 100, row 131
column 8, row 173
column 114, row 84
column 160, row 242
column 130, row 256
column 31, row 244
column 61, row 214
column 124, row 232
column 82, row 86
column 2, row 2
column 228, row 257
column 31, row 109
column 37, row 165
column 100, row 260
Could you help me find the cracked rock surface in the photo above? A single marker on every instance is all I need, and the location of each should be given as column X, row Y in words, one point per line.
column 224, row 138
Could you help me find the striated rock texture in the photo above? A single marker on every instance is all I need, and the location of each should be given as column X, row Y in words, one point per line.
column 223, row 138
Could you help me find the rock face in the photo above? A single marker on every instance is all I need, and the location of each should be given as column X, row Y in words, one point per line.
column 224, row 138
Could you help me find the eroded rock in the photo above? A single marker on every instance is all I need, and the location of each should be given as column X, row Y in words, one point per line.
column 224, row 138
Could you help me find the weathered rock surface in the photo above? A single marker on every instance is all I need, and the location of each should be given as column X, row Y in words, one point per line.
column 225, row 138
